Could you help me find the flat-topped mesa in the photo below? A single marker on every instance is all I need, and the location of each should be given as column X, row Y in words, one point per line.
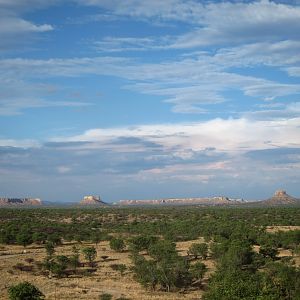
column 20, row 201
column 221, row 200
column 92, row 200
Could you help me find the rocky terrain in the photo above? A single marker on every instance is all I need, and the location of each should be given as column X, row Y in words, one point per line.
column 92, row 200
column 20, row 201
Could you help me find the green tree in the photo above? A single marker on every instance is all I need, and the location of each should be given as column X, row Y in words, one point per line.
column 233, row 285
column 117, row 244
column 282, row 280
column 163, row 250
column 74, row 259
column 140, row 243
column 24, row 238
column 50, row 250
column 90, row 254
column 198, row 270
column 25, row 291
column 39, row 237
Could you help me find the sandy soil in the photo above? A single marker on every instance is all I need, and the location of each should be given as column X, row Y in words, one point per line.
column 281, row 228
column 104, row 280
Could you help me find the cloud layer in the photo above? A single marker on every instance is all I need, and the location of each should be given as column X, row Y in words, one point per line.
column 185, row 97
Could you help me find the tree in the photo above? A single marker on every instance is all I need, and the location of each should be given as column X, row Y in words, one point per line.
column 74, row 259
column 24, row 238
column 198, row 270
column 167, row 269
column 25, row 291
column 39, row 237
column 90, row 254
column 282, row 280
column 199, row 250
column 50, row 250
column 233, row 285
column 117, row 244
column 142, row 242
column 163, row 250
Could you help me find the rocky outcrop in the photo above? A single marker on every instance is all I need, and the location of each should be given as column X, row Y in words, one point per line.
column 20, row 201
column 92, row 200
column 281, row 197
column 183, row 201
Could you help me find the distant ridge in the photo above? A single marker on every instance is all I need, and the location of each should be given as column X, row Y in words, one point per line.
column 20, row 202
column 209, row 201
column 92, row 201
column 281, row 197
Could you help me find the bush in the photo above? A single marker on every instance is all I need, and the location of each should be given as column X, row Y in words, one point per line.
column 119, row 267
column 117, row 244
column 105, row 297
column 199, row 250
column 25, row 291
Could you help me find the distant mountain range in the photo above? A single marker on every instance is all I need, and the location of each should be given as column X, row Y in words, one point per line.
column 279, row 198
column 183, row 201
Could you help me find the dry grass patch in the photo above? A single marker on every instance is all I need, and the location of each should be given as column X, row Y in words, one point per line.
column 104, row 280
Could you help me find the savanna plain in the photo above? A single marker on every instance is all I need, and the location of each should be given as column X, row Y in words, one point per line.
column 152, row 253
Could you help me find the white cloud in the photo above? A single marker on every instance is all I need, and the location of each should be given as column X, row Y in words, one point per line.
column 218, row 23
column 231, row 135
column 12, row 25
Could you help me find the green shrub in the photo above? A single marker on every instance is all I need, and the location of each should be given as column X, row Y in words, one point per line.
column 25, row 291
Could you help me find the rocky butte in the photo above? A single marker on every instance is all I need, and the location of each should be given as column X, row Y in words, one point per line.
column 281, row 197
column 20, row 201
column 92, row 200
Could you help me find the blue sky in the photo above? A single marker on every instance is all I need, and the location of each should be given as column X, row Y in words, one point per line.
column 146, row 99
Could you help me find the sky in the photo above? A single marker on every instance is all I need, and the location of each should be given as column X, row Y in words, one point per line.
column 139, row 99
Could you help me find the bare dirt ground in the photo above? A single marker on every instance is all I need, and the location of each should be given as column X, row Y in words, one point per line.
column 104, row 280
column 273, row 229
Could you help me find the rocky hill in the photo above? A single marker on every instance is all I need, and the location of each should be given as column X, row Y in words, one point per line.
column 20, row 201
column 281, row 197
column 92, row 201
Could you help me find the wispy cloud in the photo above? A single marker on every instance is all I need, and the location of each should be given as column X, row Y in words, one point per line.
column 187, row 83
column 14, row 29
